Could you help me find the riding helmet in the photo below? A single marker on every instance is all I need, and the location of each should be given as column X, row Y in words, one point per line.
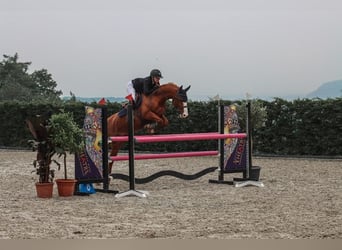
column 156, row 73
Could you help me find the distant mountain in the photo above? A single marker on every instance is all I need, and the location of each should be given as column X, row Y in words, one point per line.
column 95, row 99
column 328, row 90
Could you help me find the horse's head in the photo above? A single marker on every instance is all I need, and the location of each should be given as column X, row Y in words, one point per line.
column 180, row 101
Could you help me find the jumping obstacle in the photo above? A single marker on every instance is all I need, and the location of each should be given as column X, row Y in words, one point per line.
column 84, row 171
column 131, row 139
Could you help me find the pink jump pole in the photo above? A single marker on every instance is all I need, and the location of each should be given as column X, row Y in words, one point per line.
column 164, row 155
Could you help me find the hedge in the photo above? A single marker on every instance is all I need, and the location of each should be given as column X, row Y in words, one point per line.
column 298, row 127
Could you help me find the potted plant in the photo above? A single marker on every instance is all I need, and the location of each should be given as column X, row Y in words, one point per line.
column 61, row 136
column 45, row 151
column 66, row 137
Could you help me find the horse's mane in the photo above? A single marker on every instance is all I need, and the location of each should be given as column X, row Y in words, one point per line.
column 169, row 84
column 166, row 86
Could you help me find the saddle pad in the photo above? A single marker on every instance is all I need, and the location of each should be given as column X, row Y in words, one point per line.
column 123, row 112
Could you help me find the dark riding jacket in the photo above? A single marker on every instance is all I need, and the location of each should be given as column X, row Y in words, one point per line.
column 144, row 85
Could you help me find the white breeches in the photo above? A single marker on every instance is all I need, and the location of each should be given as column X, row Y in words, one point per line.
column 130, row 89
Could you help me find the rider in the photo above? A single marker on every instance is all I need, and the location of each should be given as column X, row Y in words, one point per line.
column 144, row 85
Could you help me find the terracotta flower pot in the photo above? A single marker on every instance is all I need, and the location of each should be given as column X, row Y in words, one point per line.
column 66, row 187
column 44, row 190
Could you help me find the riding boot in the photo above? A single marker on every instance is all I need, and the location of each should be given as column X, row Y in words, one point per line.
column 133, row 103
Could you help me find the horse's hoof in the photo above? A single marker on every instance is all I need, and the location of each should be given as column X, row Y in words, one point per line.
column 149, row 126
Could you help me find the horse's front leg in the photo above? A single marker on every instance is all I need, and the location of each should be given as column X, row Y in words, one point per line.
column 164, row 123
column 151, row 116
column 156, row 121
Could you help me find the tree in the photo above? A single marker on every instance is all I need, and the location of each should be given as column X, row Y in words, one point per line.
column 45, row 85
column 16, row 83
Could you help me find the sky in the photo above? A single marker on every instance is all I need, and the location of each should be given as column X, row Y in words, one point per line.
column 266, row 48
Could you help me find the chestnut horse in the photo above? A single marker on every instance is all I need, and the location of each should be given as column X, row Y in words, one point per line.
column 150, row 114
